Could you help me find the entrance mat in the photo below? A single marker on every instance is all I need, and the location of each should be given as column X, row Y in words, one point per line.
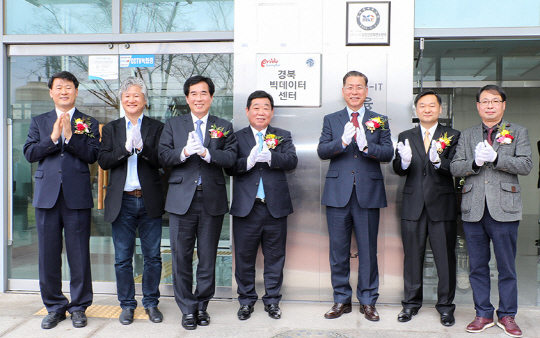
column 311, row 334
column 104, row 311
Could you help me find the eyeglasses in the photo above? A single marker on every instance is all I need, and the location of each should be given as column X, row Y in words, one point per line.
column 351, row 88
column 495, row 102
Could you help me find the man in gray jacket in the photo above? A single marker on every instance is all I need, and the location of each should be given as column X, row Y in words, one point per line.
column 490, row 156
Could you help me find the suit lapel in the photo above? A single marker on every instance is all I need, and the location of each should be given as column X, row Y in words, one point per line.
column 210, row 122
column 121, row 131
column 187, row 124
column 52, row 117
column 145, row 127
column 478, row 135
column 248, row 137
column 343, row 117
column 418, row 142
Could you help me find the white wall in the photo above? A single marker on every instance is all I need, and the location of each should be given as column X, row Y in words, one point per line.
column 317, row 26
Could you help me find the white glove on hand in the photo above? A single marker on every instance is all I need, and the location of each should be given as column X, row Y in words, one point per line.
column 487, row 154
column 348, row 133
column 252, row 158
column 477, row 154
column 361, row 138
column 264, row 155
column 129, row 143
column 405, row 152
column 201, row 149
column 137, row 139
column 433, row 154
column 193, row 145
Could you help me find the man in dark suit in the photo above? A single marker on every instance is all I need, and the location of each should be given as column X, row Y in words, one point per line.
column 129, row 148
column 197, row 147
column 490, row 156
column 64, row 142
column 423, row 155
column 261, row 203
column 354, row 192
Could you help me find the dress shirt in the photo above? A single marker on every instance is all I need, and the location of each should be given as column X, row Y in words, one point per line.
column 204, row 120
column 58, row 113
column 132, row 177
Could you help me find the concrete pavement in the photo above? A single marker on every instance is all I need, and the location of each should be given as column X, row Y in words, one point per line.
column 300, row 319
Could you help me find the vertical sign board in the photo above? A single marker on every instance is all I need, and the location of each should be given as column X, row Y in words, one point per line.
column 293, row 80
column 374, row 66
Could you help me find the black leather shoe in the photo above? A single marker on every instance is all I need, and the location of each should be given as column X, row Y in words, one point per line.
column 52, row 319
column 154, row 314
column 78, row 318
column 273, row 310
column 203, row 318
column 245, row 312
column 406, row 314
column 126, row 317
column 189, row 322
column 447, row 319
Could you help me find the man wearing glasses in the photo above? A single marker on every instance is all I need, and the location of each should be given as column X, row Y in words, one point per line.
column 490, row 156
column 355, row 140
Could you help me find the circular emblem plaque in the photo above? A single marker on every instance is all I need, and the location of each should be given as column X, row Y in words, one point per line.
column 368, row 18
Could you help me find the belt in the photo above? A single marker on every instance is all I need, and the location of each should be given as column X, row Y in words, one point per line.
column 199, row 187
column 259, row 200
column 136, row 193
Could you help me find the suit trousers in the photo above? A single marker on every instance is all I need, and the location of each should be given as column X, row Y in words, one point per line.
column 442, row 239
column 124, row 233
column 365, row 222
column 76, row 226
column 259, row 228
column 504, row 238
column 196, row 225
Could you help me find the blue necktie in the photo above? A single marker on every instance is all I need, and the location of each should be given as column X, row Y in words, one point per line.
column 199, row 133
column 260, row 191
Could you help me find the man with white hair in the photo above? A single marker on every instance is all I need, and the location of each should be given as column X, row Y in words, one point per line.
column 129, row 148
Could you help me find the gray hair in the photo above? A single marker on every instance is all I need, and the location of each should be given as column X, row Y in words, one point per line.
column 133, row 81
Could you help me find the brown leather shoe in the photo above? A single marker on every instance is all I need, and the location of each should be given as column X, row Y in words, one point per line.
column 337, row 310
column 479, row 324
column 509, row 326
column 370, row 312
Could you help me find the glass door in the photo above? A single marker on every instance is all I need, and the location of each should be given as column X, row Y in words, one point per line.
column 29, row 71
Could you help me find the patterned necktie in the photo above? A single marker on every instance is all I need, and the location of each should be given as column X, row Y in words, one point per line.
column 355, row 120
column 426, row 141
column 260, row 190
column 199, row 133
column 490, row 131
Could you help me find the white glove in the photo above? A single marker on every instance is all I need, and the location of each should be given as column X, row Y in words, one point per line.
column 129, row 143
column 201, row 148
column 433, row 154
column 252, row 158
column 487, row 154
column 361, row 138
column 348, row 133
column 477, row 154
column 137, row 139
column 405, row 152
column 193, row 145
column 264, row 155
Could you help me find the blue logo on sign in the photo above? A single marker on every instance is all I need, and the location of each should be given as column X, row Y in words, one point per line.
column 136, row 61
column 310, row 62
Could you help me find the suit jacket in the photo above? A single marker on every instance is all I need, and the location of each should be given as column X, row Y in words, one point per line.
column 184, row 175
column 426, row 185
column 494, row 184
column 62, row 164
column 246, row 183
column 349, row 165
column 114, row 156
